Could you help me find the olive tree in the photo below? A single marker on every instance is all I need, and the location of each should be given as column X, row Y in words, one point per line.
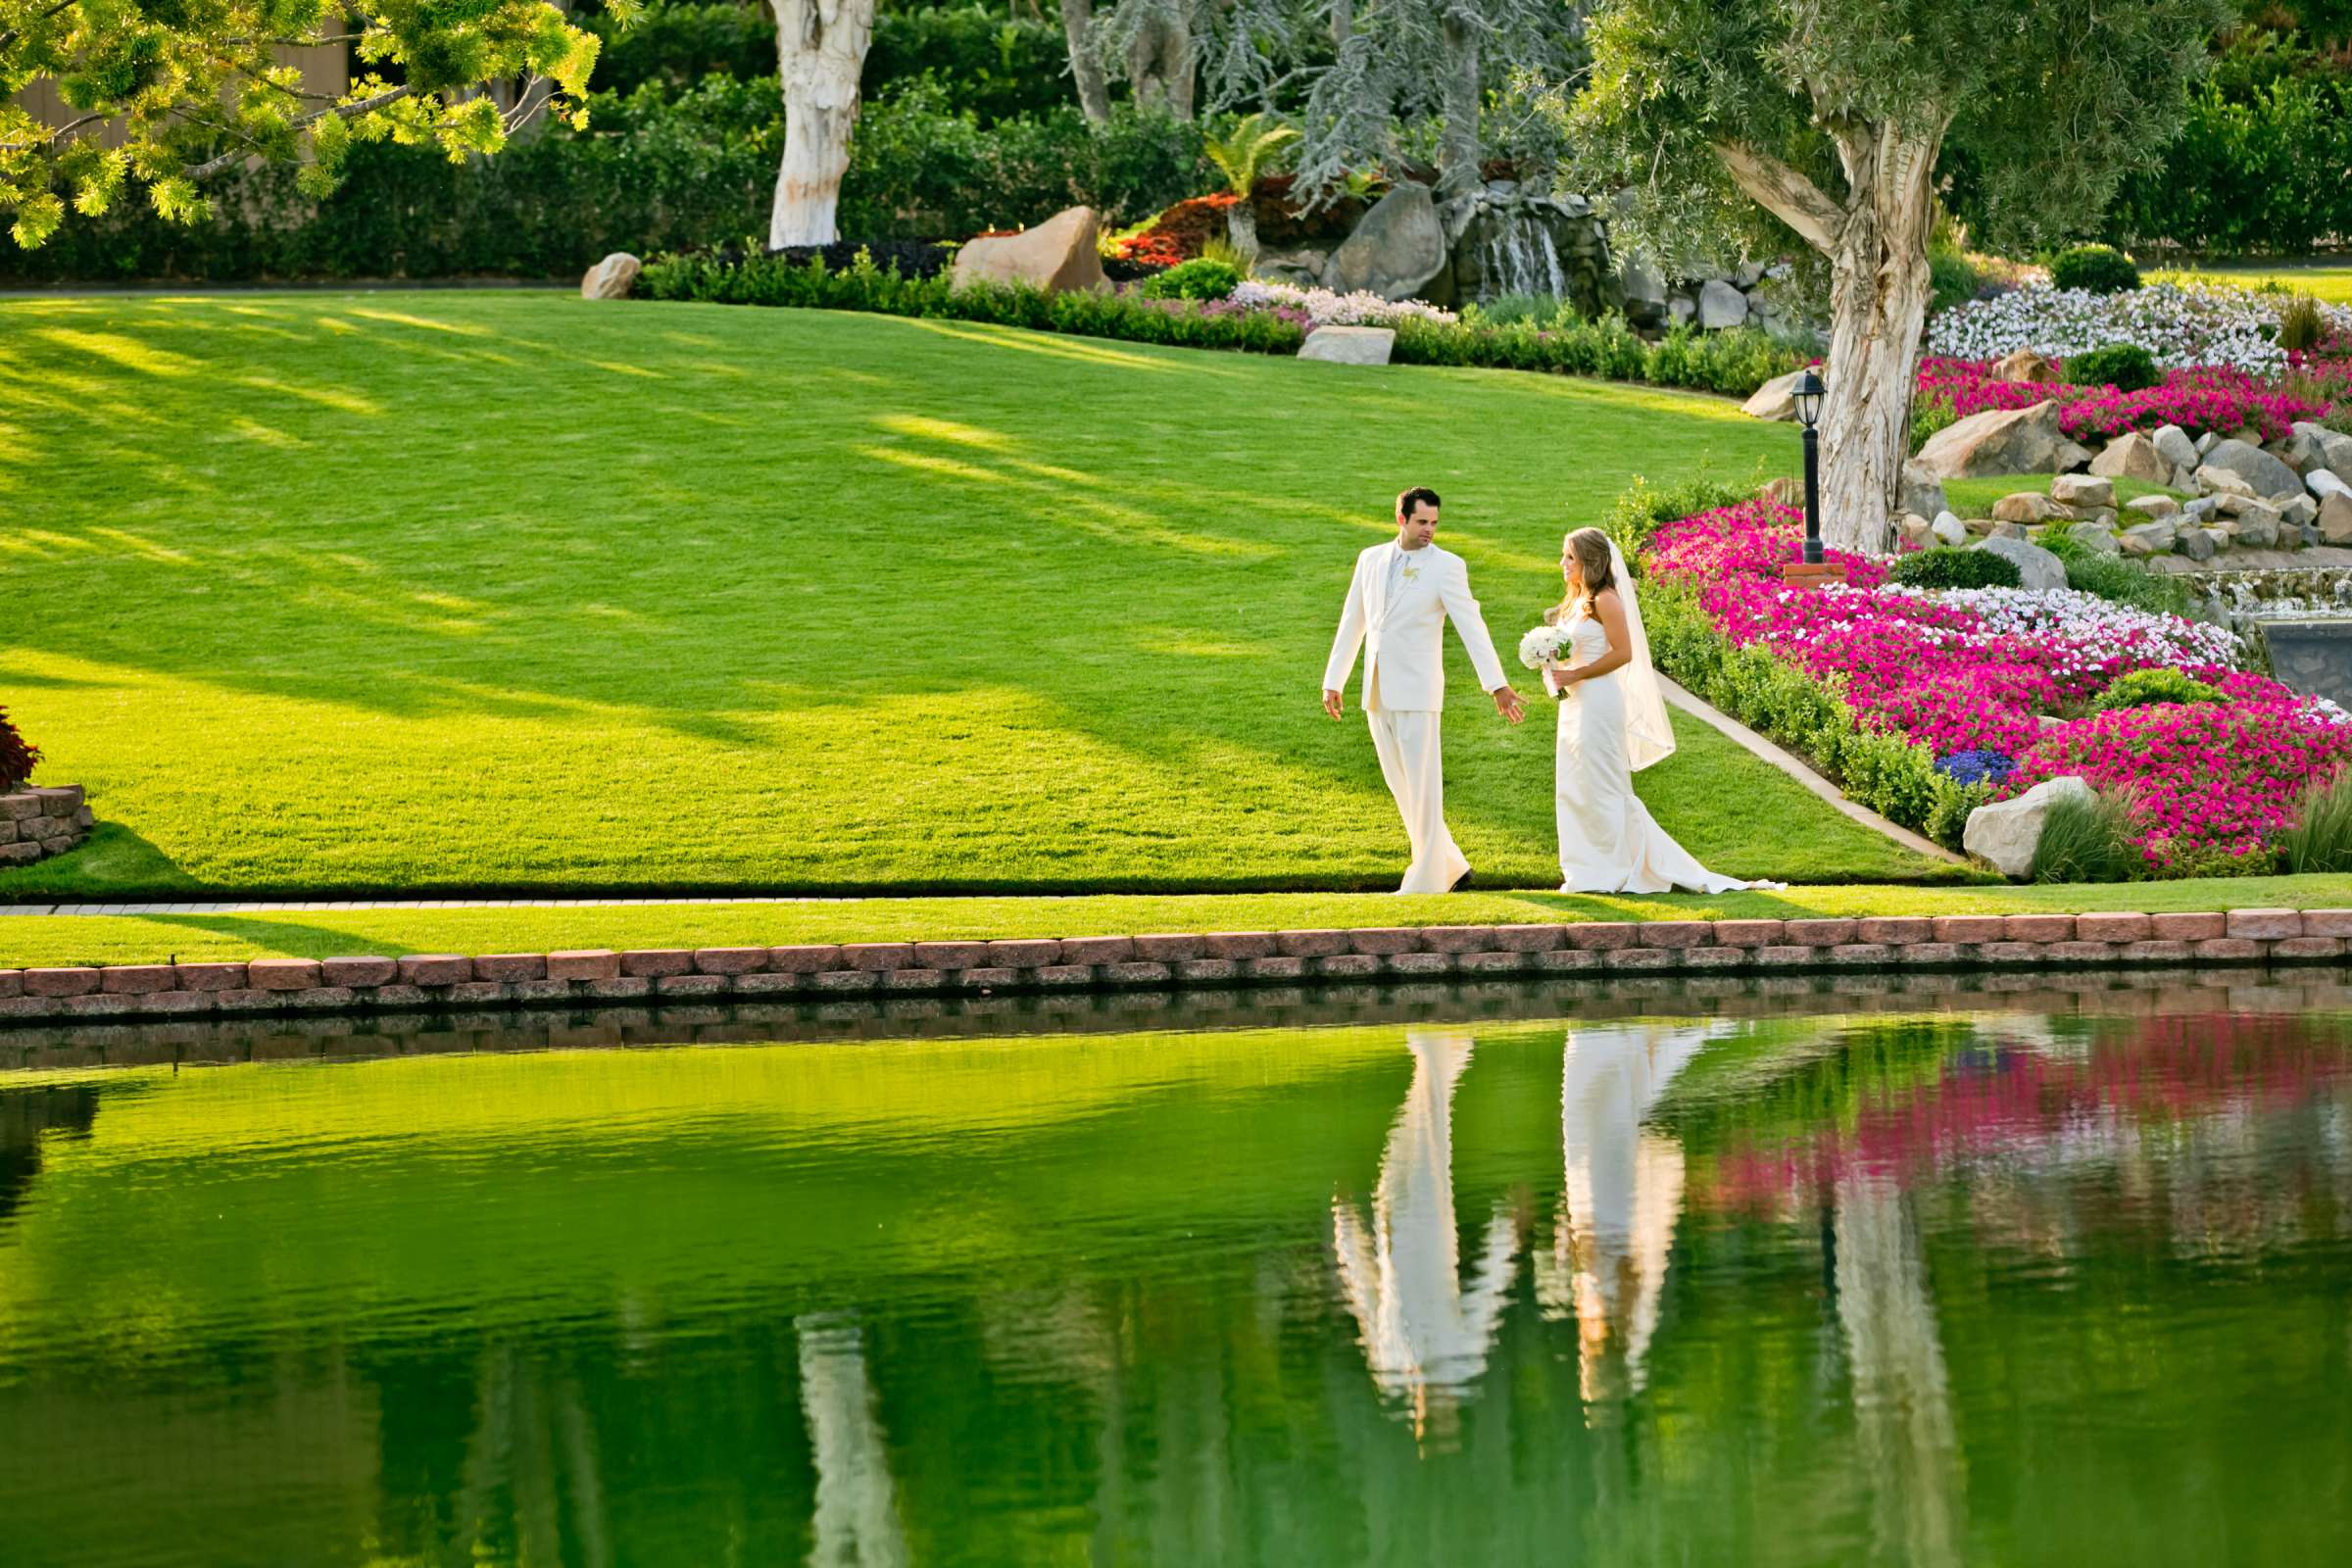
column 1837, row 121
column 158, row 97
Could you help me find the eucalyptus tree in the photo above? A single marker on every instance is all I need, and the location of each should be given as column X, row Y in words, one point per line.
column 158, row 97
column 1838, row 122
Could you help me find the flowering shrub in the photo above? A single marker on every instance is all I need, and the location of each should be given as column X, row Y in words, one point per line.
column 2209, row 778
column 2180, row 327
column 2199, row 398
column 1972, row 675
column 1363, row 307
column 1977, row 767
column 17, row 754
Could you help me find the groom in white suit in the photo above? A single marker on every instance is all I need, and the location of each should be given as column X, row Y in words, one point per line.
column 1397, row 605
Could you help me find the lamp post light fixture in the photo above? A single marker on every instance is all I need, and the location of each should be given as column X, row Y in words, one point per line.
column 1806, row 395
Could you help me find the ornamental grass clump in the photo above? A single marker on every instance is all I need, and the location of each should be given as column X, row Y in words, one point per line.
column 2320, row 839
column 2088, row 839
column 17, row 754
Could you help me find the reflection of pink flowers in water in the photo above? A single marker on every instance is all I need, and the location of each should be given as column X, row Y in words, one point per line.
column 1999, row 1099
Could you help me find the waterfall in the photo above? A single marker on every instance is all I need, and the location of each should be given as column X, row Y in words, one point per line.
column 1518, row 256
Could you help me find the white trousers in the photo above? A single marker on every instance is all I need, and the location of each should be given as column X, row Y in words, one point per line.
column 1414, row 764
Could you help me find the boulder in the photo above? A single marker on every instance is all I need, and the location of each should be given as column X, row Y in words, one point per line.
column 2150, row 538
column 2005, row 834
column 2335, row 520
column 2206, row 443
column 2037, row 568
column 2071, row 458
column 2296, row 511
column 2026, row 505
column 1059, row 254
column 1776, row 399
column 1920, row 491
column 2152, row 506
column 2197, row 544
column 2178, row 448
column 2334, row 448
column 1643, row 287
column 612, row 277
column 2262, row 474
column 2100, row 541
column 1949, row 531
column 2258, row 528
column 1915, row 529
column 2222, row 482
column 2230, row 505
column 1348, row 345
column 2009, row 530
column 2083, row 490
column 1303, row 267
column 1398, row 246
column 1719, row 305
column 1996, row 441
column 2204, row 509
column 1682, row 310
column 2132, row 456
column 2184, row 479
column 2323, row 483
column 2024, row 364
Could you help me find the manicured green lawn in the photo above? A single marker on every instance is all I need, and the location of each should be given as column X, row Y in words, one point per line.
column 501, row 592
column 1974, row 498
column 2324, row 277
column 31, row 940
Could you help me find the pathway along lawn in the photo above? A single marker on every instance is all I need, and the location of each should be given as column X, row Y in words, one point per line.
column 504, row 593
column 31, row 941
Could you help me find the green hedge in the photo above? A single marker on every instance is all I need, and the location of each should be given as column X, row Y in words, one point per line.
column 1896, row 777
column 995, row 68
column 774, row 281
column 2258, row 170
column 655, row 172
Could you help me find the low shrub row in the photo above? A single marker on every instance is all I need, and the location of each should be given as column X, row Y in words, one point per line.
column 780, row 280
column 1735, row 361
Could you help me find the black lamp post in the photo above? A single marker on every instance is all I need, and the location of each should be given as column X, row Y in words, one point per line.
column 1807, row 395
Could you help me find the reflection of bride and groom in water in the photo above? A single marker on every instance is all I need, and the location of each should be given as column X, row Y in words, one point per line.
column 1427, row 1318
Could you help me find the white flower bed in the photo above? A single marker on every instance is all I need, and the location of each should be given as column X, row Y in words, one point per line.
column 2069, row 616
column 1326, row 309
column 2180, row 327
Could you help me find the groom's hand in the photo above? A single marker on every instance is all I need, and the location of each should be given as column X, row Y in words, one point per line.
column 1331, row 703
column 1509, row 703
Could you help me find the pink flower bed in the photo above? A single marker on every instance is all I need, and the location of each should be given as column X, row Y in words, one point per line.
column 2218, row 779
column 2207, row 398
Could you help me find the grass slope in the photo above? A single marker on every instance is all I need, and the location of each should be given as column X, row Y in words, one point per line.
column 442, row 592
column 28, row 940
column 2324, row 278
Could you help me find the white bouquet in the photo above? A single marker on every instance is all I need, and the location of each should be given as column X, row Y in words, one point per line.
column 1546, row 645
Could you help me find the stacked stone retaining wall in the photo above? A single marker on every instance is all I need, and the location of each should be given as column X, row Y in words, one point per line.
column 1219, row 959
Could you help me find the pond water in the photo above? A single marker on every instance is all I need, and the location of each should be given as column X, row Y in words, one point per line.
column 1970, row 1281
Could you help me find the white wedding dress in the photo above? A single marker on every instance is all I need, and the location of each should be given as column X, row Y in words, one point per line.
column 1609, row 726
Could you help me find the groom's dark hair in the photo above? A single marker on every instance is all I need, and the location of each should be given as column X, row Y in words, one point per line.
column 1412, row 498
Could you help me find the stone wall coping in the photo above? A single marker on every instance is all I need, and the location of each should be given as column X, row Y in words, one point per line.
column 974, row 966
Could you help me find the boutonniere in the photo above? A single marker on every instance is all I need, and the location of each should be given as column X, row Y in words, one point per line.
column 1412, row 573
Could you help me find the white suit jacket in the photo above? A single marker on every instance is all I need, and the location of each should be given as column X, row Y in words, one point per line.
column 1404, row 642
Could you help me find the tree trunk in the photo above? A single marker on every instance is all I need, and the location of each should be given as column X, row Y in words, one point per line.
column 1343, row 21
column 1160, row 64
column 1086, row 67
column 1876, row 245
column 820, row 53
column 1458, row 140
column 1241, row 228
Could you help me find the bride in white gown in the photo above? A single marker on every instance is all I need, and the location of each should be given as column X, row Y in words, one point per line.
column 1612, row 721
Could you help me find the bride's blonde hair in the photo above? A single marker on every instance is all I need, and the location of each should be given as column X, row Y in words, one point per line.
column 1591, row 548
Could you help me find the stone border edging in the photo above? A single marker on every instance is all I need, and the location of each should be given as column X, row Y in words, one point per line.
column 1215, row 959
column 39, row 822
